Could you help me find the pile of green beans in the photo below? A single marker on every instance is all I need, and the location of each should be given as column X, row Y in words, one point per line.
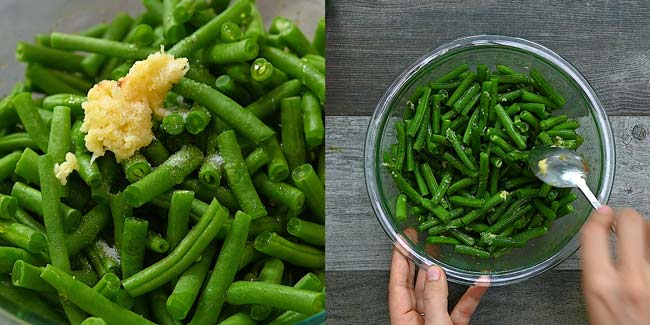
column 460, row 161
column 219, row 220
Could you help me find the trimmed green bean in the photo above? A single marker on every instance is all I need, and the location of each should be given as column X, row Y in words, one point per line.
column 189, row 284
column 214, row 294
column 88, row 299
column 190, row 248
column 309, row 232
column 168, row 174
column 237, row 175
column 304, row 177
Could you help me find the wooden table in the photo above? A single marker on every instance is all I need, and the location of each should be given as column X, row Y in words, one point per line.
column 371, row 42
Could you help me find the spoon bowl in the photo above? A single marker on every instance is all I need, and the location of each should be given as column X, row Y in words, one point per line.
column 561, row 168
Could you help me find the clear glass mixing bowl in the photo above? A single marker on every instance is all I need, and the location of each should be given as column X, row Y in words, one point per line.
column 562, row 239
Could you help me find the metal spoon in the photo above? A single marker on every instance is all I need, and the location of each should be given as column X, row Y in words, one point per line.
column 561, row 168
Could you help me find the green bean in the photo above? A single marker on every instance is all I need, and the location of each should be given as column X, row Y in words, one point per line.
column 103, row 257
column 545, row 88
column 156, row 243
column 8, row 164
column 197, row 119
column 24, row 218
column 94, row 321
column 312, row 120
column 170, row 173
column 16, row 141
column 29, row 300
column 108, row 286
column 29, row 116
column 230, row 88
column 509, row 127
column 69, row 100
column 280, row 192
column 180, row 258
column 276, row 295
column 100, row 46
column 400, row 208
column 133, row 246
column 530, row 234
column 205, row 34
column 502, row 241
column 564, row 134
column 22, row 236
column 189, row 283
column 270, row 273
column 309, row 232
column 117, row 29
column 230, row 32
column 239, row 318
column 8, row 206
column 178, row 218
column 237, row 175
column 88, row 299
column 56, row 59
column 463, row 237
column 471, row 251
column 242, row 120
column 79, row 83
column 10, row 255
column 51, row 216
column 60, row 137
column 568, row 125
column 544, row 138
column 136, row 167
column 515, row 78
column 27, row 276
column 458, row 147
column 173, row 123
column 274, row 245
column 89, row 228
column 256, row 159
column 213, row 295
column 268, row 103
column 565, row 209
column 293, row 137
column 262, row 70
column 211, row 170
column 468, row 202
column 458, row 165
column 304, row 177
column 185, row 9
column 234, row 52
column 544, row 210
column 292, row 66
column 534, row 98
column 551, row 122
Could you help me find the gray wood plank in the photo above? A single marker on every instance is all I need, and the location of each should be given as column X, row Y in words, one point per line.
column 371, row 41
column 356, row 241
column 360, row 297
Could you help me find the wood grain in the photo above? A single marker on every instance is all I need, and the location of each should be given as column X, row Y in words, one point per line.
column 360, row 297
column 371, row 42
column 356, row 241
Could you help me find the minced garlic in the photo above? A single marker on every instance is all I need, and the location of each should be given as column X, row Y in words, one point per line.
column 66, row 168
column 118, row 113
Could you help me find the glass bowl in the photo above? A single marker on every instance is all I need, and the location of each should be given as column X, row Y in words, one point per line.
column 22, row 19
column 562, row 239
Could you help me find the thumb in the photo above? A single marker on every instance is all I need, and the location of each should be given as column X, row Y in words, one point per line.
column 435, row 297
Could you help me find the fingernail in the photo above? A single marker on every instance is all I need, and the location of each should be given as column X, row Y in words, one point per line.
column 604, row 209
column 433, row 274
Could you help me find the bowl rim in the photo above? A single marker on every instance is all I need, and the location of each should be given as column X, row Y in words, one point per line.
column 379, row 119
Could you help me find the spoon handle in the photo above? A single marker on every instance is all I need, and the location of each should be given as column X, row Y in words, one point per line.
column 582, row 185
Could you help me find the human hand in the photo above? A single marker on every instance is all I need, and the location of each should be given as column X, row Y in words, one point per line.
column 616, row 292
column 426, row 301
